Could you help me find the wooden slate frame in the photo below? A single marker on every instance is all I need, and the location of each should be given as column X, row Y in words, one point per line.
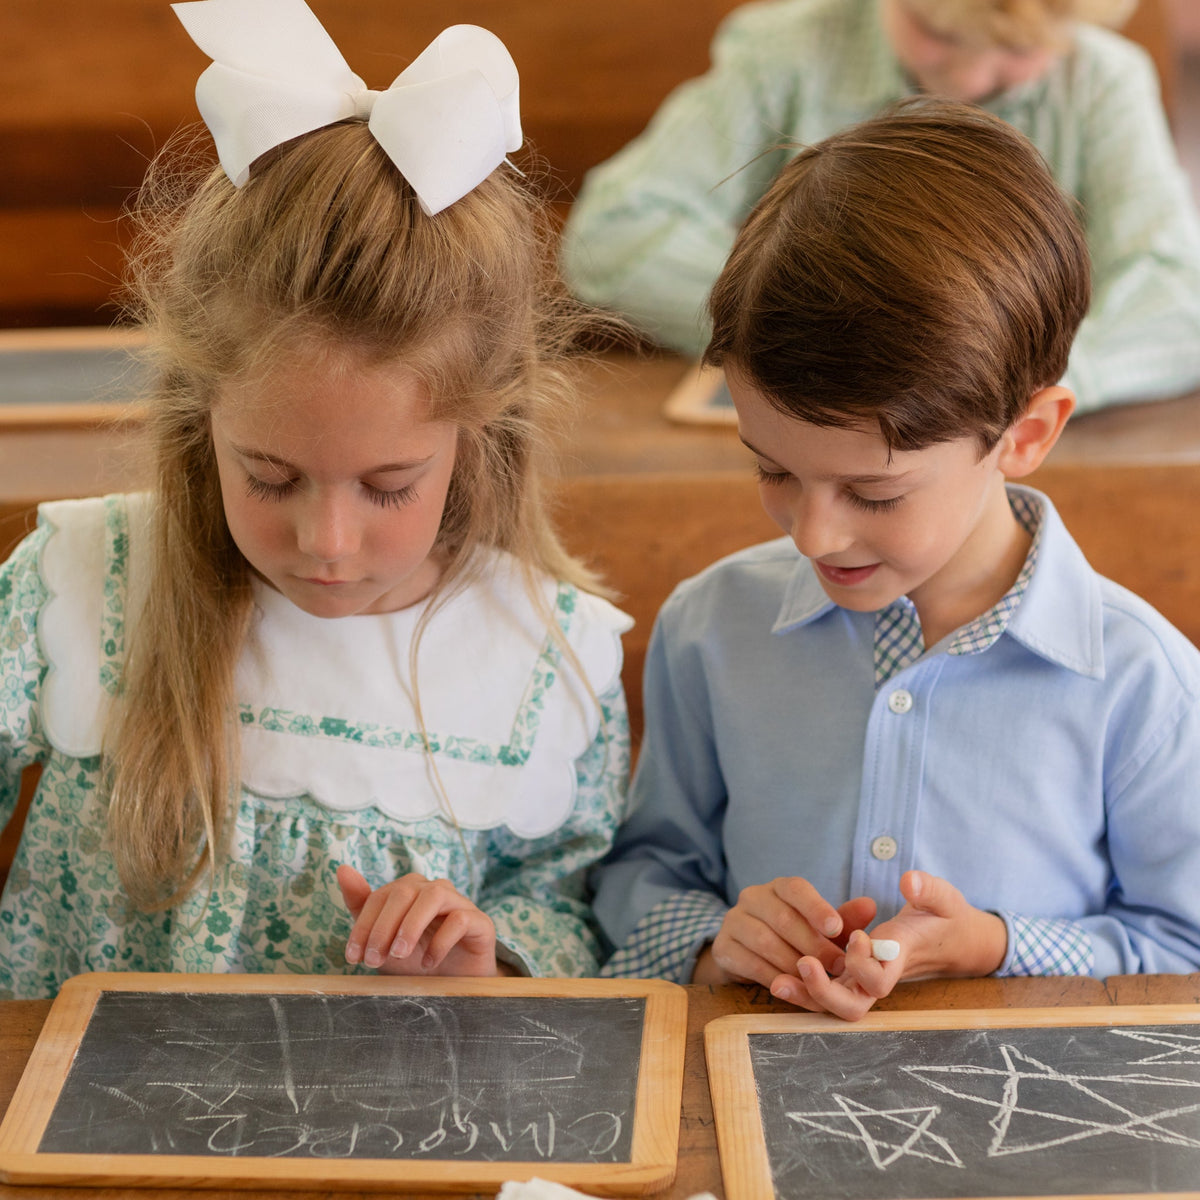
column 656, row 1121
column 745, row 1167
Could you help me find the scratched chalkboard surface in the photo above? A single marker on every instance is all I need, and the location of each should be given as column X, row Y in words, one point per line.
column 861, row 1113
column 322, row 1080
column 353, row 1076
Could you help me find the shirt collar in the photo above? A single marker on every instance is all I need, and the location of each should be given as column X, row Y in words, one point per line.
column 1059, row 618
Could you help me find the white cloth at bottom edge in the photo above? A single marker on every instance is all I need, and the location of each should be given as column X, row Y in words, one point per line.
column 545, row 1189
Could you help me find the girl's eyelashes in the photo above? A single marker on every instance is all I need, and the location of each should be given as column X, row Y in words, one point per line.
column 394, row 499
column 262, row 489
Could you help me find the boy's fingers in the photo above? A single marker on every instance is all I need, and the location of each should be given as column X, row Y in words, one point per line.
column 761, row 941
column 798, row 893
column 931, row 893
column 857, row 913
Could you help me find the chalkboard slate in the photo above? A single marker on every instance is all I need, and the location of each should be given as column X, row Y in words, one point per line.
column 911, row 1106
column 307, row 1081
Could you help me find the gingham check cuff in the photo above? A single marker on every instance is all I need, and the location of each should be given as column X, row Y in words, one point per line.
column 667, row 941
column 1046, row 946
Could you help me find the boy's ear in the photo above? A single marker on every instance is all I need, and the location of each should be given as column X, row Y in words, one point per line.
column 1028, row 440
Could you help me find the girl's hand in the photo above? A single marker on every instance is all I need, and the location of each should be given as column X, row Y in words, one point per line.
column 774, row 922
column 417, row 926
column 940, row 934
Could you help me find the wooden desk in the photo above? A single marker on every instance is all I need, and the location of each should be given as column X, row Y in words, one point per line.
column 699, row 1168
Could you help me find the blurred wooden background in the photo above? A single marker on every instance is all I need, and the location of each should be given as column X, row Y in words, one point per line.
column 91, row 88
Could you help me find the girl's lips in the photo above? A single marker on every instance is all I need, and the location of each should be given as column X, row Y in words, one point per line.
column 846, row 576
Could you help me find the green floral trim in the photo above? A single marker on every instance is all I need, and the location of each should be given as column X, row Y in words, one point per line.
column 513, row 753
column 112, row 619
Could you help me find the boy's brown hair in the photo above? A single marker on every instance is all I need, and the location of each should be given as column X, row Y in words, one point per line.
column 920, row 270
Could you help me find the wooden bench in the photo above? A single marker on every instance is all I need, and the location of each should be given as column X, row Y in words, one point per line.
column 646, row 533
column 91, row 88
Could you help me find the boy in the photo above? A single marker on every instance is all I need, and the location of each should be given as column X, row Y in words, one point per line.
column 935, row 713
column 652, row 227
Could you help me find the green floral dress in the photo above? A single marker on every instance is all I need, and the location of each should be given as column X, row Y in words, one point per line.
column 531, row 768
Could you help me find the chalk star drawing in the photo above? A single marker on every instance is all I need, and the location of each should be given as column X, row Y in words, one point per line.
column 1181, row 1047
column 852, row 1120
column 1023, row 1073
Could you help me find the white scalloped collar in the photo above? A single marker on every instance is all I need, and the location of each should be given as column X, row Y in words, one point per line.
column 326, row 705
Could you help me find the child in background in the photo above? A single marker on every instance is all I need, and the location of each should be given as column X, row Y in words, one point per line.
column 922, row 707
column 652, row 227
column 341, row 630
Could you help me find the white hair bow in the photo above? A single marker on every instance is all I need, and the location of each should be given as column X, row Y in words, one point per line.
column 447, row 121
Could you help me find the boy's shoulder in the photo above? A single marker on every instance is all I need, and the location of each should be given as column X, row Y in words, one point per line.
column 755, row 576
column 1138, row 635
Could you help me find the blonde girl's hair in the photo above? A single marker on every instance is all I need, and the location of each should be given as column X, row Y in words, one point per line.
column 325, row 245
column 1018, row 24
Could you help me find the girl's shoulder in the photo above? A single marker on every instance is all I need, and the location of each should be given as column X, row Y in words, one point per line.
column 93, row 565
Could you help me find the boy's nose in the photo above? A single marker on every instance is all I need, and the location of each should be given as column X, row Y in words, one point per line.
column 326, row 530
column 816, row 530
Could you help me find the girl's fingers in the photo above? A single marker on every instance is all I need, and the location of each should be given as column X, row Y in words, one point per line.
column 471, row 930
column 436, row 898
column 355, row 889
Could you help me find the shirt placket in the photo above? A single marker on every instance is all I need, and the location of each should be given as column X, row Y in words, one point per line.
column 892, row 784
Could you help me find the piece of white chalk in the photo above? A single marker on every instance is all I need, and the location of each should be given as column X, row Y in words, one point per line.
column 884, row 949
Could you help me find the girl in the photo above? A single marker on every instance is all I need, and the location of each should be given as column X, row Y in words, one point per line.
column 341, row 629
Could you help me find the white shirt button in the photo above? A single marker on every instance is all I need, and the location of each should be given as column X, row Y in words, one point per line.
column 884, row 847
column 900, row 701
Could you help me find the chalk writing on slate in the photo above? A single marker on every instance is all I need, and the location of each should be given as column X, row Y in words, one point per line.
column 492, row 1078
column 996, row 1112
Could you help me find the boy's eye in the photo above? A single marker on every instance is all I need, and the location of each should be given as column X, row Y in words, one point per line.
column 875, row 506
column 764, row 476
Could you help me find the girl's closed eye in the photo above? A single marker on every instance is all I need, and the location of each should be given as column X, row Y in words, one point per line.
column 265, row 489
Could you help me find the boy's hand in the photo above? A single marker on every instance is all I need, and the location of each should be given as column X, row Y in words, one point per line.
column 417, row 926
column 774, row 922
column 939, row 933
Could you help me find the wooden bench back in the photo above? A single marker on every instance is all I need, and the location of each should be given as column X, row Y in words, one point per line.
column 90, row 88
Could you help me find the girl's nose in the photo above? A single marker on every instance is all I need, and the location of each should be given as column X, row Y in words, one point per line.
column 327, row 530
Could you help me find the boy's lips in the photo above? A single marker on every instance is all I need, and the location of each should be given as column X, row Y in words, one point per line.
column 846, row 576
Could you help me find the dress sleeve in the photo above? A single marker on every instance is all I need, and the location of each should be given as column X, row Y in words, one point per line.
column 22, row 667
column 535, row 889
column 661, row 893
column 651, row 228
column 1141, row 337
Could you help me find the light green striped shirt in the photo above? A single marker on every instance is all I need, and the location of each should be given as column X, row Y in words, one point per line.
column 652, row 227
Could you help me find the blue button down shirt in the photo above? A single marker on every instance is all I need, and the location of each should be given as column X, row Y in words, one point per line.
column 1052, row 772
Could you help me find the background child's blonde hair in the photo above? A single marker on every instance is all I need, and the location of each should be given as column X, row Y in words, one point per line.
column 325, row 245
column 1018, row 24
